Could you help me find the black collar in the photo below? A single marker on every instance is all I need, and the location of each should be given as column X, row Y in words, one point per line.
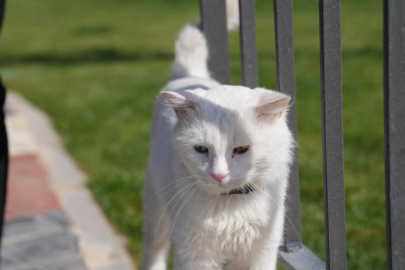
column 243, row 190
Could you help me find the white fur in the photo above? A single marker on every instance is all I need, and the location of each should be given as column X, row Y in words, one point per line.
column 192, row 50
column 191, row 54
column 232, row 14
column 183, row 202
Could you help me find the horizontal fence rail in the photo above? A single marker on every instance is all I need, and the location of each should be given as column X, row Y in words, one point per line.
column 301, row 259
column 332, row 129
column 394, row 111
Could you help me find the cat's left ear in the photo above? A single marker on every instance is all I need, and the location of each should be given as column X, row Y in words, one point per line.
column 179, row 103
column 271, row 105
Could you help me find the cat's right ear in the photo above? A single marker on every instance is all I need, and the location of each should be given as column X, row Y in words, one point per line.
column 178, row 102
column 271, row 105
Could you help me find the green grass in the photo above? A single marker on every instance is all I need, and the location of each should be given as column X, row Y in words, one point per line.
column 96, row 66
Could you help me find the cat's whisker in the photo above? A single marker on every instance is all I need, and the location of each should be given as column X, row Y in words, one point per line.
column 227, row 205
column 160, row 208
column 287, row 197
column 258, row 188
column 179, row 211
column 254, row 193
column 284, row 215
column 244, row 196
column 168, row 227
column 193, row 208
column 185, row 191
column 154, row 241
column 184, row 179
column 285, row 201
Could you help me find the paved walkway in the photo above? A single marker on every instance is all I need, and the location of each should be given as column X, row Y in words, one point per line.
column 52, row 221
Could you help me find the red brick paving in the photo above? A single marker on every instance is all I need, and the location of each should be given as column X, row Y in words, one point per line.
column 28, row 189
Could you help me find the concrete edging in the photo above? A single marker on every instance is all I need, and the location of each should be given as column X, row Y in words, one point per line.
column 100, row 245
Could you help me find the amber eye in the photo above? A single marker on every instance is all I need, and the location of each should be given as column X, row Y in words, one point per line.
column 201, row 149
column 240, row 150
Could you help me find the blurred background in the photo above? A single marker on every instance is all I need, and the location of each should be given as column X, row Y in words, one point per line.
column 96, row 66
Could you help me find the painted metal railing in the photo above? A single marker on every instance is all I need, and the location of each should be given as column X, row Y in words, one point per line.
column 394, row 110
column 294, row 254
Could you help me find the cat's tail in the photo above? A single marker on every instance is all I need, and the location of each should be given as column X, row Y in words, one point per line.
column 192, row 49
column 191, row 54
column 232, row 14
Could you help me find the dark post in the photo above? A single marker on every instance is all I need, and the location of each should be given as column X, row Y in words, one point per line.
column 3, row 141
column 394, row 112
column 3, row 159
column 332, row 125
column 248, row 42
column 286, row 83
column 213, row 19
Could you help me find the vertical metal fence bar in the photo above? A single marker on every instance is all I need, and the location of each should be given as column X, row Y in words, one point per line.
column 394, row 110
column 2, row 7
column 213, row 18
column 248, row 43
column 332, row 125
column 3, row 143
column 286, row 83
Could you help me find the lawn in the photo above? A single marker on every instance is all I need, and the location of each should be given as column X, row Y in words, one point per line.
column 95, row 67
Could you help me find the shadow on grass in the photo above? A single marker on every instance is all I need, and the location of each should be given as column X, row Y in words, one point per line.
column 87, row 56
column 108, row 55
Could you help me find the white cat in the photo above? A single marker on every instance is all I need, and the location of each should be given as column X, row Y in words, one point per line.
column 218, row 169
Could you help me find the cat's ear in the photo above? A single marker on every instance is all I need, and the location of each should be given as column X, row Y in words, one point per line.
column 271, row 105
column 179, row 103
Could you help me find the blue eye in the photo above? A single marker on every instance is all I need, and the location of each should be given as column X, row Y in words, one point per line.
column 201, row 149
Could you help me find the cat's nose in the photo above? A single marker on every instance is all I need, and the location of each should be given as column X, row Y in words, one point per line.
column 219, row 176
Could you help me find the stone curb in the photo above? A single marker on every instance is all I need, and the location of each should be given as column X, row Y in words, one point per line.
column 99, row 244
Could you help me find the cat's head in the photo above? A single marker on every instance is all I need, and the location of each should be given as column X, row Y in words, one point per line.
column 232, row 136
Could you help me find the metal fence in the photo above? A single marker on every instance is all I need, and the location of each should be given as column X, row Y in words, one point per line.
column 294, row 254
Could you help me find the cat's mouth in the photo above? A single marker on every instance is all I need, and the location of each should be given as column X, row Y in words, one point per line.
column 241, row 190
